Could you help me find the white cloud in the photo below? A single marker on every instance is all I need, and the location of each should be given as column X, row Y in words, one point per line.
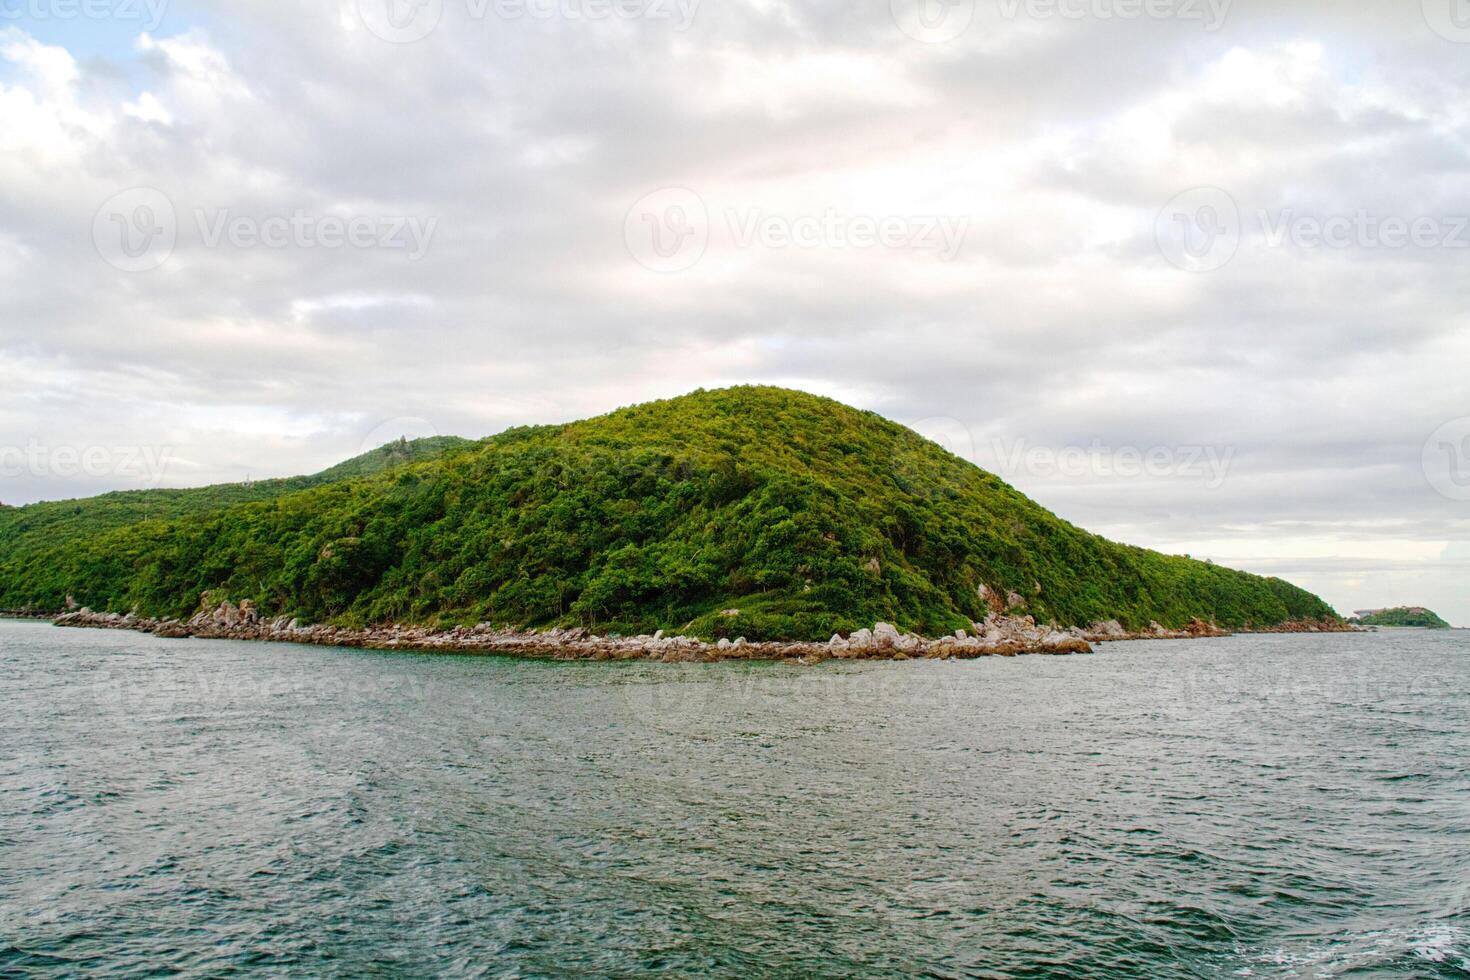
column 1058, row 321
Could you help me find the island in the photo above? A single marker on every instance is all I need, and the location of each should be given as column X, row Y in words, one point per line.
column 743, row 522
column 1416, row 617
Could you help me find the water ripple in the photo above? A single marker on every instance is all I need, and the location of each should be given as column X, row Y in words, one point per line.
column 1293, row 806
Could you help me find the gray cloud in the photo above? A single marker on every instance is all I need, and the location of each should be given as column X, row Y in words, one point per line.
column 1058, row 324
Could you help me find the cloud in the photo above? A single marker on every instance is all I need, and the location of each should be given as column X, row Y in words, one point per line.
column 1057, row 322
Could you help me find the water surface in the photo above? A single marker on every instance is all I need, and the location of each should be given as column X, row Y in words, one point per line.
column 1255, row 806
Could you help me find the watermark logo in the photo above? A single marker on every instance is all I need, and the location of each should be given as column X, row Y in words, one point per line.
column 1212, row 679
column 136, row 230
column 148, row 14
column 679, row 13
column 400, row 21
column 1209, row 465
column 1362, row 229
column 412, row 235
column 718, row 696
column 1199, row 230
column 668, row 230
column 942, row 234
column 1446, row 459
column 950, row 434
column 173, row 688
column 1450, row 19
column 912, row 463
column 933, row 21
column 145, row 464
column 1211, row 13
column 405, row 428
column 679, row 702
column 1202, row 229
column 408, row 21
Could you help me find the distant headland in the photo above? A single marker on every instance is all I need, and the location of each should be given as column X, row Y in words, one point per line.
column 1406, row 616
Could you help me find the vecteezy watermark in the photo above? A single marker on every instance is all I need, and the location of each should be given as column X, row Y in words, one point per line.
column 148, row 14
column 1206, row 680
column 939, row 21
column 1450, row 19
column 302, row 230
column 1199, row 230
column 1211, row 13
column 1202, row 229
column 679, row 14
column 143, row 463
column 404, row 428
column 912, row 461
column 933, row 21
column 407, row 21
column 950, row 434
column 667, row 230
column 400, row 21
column 670, row 230
column 1362, row 229
column 1446, row 459
column 175, row 686
column 942, row 234
column 137, row 230
column 1207, row 464
column 671, row 697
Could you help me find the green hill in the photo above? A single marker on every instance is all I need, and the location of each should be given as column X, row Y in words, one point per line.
column 43, row 530
column 1416, row 616
column 805, row 515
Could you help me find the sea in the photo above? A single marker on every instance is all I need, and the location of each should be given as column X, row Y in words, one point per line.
column 1257, row 806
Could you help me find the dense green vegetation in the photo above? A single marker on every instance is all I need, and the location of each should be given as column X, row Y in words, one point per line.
column 805, row 515
column 1404, row 616
column 44, row 528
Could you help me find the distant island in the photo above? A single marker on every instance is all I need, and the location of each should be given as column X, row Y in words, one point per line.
column 1412, row 616
column 742, row 515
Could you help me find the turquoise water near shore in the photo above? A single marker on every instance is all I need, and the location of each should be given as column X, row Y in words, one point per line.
column 1253, row 806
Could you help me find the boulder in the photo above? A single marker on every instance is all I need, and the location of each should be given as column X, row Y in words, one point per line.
column 885, row 636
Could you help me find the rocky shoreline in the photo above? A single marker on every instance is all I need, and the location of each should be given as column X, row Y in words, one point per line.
column 1112, row 630
column 997, row 636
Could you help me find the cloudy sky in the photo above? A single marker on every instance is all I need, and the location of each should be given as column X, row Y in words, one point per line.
column 1193, row 273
